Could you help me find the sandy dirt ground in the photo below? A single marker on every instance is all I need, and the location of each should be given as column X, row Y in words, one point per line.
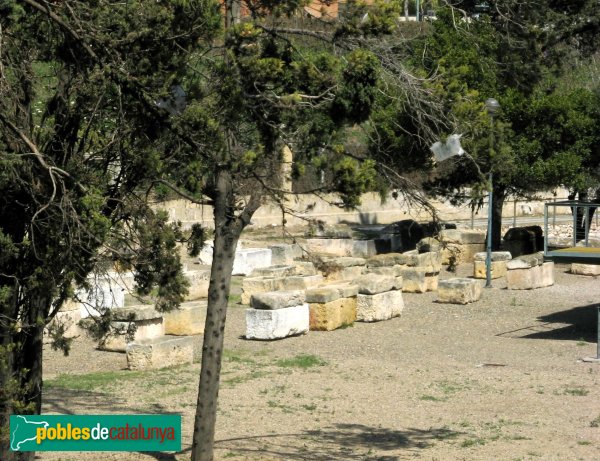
column 500, row 379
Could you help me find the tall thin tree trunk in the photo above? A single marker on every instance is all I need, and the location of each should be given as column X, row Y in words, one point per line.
column 227, row 233
column 406, row 13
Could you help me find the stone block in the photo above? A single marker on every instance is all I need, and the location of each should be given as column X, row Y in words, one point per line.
column 585, row 269
column 274, row 271
column 297, row 282
column 188, row 320
column 429, row 244
column 277, row 324
column 388, row 260
column 104, row 293
column 381, row 306
column 285, row 254
column 345, row 261
column 528, row 278
column 199, row 281
column 246, row 260
column 458, row 291
column 414, row 280
column 547, row 274
column 165, row 351
column 364, row 248
column 462, row 236
column 525, row 261
column 330, row 247
column 343, row 273
column 252, row 285
column 147, row 322
column 431, row 282
column 275, row 300
column 334, row 314
column 431, row 262
column 498, row 269
column 495, row 256
column 305, row 268
column 322, row 294
column 68, row 318
column 371, row 284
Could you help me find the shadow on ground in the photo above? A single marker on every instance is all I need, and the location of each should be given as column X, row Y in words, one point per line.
column 577, row 324
column 69, row 401
column 342, row 441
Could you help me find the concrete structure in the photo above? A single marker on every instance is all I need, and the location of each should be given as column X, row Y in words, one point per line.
column 461, row 245
column 343, row 268
column 199, row 281
column 459, row 291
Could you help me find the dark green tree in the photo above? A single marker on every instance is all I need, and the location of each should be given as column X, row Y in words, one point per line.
column 80, row 151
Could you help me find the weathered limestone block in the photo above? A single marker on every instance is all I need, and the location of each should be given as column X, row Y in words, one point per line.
column 246, row 260
column 498, row 269
column 380, row 306
column 105, row 293
column 330, row 247
column 343, row 268
column 285, row 254
column 277, row 299
column 462, row 236
column 431, row 282
column 252, row 285
column 305, row 268
column 279, row 270
column 164, row 351
column 429, row 244
column 364, row 248
column 297, row 282
column 585, row 269
column 333, row 314
column 394, row 271
column 188, row 319
column 68, row 317
column 147, row 321
column 525, row 261
column 371, row 284
column 458, row 291
column 277, row 324
column 388, row 259
column 431, row 262
column 527, row 278
column 414, row 280
column 495, row 256
column 199, row 281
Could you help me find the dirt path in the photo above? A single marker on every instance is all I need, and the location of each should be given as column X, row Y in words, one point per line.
column 498, row 379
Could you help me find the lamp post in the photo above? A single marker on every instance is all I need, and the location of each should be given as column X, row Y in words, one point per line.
column 492, row 107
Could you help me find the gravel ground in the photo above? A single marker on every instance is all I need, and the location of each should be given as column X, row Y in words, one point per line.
column 498, row 379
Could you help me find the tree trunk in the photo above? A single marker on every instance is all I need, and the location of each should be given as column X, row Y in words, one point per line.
column 406, row 9
column 20, row 376
column 227, row 232
column 499, row 195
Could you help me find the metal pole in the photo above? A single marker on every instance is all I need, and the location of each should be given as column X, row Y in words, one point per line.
column 488, row 256
column 554, row 214
column 546, row 229
column 515, row 212
column 472, row 218
column 574, row 225
column 598, row 336
column 587, row 224
column 417, row 13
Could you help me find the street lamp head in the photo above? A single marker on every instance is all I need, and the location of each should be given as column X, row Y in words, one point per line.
column 492, row 106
